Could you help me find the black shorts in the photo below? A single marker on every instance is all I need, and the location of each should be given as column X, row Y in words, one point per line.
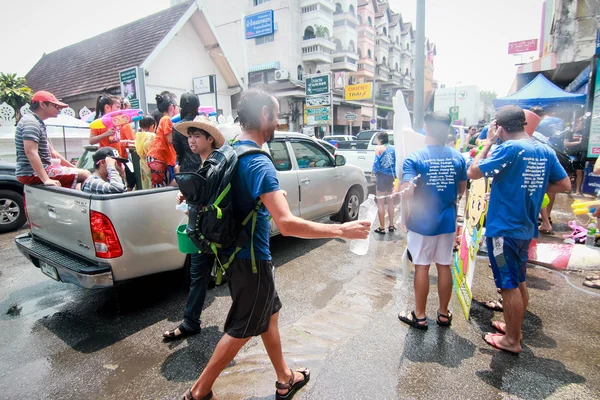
column 384, row 183
column 254, row 298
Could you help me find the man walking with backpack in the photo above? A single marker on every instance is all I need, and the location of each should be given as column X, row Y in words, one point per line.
column 255, row 303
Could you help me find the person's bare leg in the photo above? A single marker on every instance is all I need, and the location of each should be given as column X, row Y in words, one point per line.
column 272, row 341
column 545, row 226
column 552, row 197
column 514, row 312
column 421, row 289
column 578, row 181
column 444, row 288
column 226, row 350
column 381, row 209
column 390, row 206
column 525, row 296
column 82, row 175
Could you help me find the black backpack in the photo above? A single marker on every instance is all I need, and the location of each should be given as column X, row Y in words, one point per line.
column 212, row 226
column 563, row 158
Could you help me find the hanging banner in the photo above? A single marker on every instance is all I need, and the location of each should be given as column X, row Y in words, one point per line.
column 594, row 141
column 463, row 267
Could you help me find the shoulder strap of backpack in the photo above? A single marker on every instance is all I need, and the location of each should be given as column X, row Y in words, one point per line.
column 243, row 151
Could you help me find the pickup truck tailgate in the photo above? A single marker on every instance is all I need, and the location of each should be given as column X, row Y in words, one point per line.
column 61, row 217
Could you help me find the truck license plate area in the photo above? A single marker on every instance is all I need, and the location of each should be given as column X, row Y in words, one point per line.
column 49, row 270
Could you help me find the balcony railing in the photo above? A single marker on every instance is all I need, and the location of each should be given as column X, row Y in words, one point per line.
column 366, row 67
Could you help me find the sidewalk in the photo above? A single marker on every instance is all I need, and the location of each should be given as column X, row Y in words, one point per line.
column 550, row 251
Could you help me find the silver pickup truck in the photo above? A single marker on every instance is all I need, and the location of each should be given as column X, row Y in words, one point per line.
column 94, row 241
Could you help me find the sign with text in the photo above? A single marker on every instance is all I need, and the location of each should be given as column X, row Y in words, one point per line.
column 317, row 84
column 317, row 115
column 359, row 91
column 260, row 24
column 350, row 117
column 317, row 101
column 453, row 111
column 522, row 46
column 463, row 266
column 204, row 84
column 130, row 86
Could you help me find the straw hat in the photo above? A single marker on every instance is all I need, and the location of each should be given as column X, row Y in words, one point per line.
column 201, row 122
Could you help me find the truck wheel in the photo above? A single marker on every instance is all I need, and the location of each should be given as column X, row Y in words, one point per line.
column 351, row 205
column 12, row 211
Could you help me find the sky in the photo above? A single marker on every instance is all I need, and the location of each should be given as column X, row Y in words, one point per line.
column 472, row 36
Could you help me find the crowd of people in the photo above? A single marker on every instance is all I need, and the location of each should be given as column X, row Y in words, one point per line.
column 522, row 169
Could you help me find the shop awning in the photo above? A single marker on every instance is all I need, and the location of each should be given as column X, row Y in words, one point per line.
column 264, row 67
column 580, row 84
column 386, row 108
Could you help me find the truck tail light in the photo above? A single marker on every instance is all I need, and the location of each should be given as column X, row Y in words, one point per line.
column 104, row 236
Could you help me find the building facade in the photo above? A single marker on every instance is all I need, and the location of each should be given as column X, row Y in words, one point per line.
column 363, row 39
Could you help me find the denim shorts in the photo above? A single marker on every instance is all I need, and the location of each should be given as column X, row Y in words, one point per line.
column 508, row 258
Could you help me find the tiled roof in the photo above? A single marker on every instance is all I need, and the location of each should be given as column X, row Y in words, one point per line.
column 407, row 27
column 92, row 65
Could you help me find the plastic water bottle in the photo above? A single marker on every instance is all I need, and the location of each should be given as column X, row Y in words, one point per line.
column 590, row 239
column 367, row 211
column 183, row 207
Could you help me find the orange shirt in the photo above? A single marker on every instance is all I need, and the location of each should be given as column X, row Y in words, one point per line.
column 123, row 132
column 161, row 149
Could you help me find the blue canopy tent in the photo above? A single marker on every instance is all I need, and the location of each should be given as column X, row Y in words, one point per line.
column 540, row 92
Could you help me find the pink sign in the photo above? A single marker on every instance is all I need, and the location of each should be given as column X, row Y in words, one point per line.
column 523, row 46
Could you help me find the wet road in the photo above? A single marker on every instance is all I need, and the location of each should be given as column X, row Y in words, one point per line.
column 339, row 318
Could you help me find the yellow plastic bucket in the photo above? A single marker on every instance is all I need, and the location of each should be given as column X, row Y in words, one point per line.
column 186, row 245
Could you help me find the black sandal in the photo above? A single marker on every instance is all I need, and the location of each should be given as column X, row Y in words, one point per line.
column 188, row 396
column 291, row 387
column 380, row 230
column 414, row 322
column 448, row 317
column 391, row 228
column 170, row 335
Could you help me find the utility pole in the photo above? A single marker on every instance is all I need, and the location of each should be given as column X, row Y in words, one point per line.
column 419, row 68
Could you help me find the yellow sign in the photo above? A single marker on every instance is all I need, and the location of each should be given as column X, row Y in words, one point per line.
column 359, row 91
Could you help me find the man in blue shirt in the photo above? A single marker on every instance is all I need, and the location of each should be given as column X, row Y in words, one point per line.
column 431, row 210
column 255, row 303
column 522, row 171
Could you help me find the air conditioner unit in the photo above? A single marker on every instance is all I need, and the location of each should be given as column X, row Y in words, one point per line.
column 282, row 75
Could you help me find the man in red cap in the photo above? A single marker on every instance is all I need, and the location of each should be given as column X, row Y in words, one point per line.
column 35, row 164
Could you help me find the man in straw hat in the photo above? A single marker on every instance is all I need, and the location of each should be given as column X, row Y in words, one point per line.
column 203, row 138
column 255, row 303
column 523, row 170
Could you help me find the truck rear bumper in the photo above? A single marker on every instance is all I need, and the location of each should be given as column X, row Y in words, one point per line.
column 69, row 268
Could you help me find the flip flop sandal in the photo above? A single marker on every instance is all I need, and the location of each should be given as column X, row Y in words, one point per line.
column 380, row 230
column 188, row 396
column 593, row 278
column 170, row 335
column 494, row 305
column 592, row 284
column 448, row 317
column 546, row 232
column 292, row 387
column 414, row 322
column 493, row 343
column 496, row 325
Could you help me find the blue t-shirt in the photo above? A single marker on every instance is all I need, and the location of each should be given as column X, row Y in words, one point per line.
column 521, row 170
column 433, row 207
column 552, row 127
column 385, row 163
column 255, row 175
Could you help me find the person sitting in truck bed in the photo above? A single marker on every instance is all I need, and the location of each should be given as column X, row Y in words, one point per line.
column 37, row 161
column 108, row 176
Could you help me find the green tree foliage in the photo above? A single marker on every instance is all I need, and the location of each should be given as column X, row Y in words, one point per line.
column 15, row 92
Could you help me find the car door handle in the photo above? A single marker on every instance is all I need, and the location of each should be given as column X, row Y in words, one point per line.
column 338, row 176
column 305, row 180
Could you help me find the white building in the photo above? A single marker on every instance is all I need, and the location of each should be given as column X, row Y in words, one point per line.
column 362, row 38
column 466, row 98
column 172, row 47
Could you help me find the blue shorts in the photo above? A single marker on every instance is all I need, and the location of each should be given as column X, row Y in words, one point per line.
column 508, row 258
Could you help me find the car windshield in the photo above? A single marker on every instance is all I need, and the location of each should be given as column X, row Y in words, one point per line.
column 390, row 139
column 365, row 135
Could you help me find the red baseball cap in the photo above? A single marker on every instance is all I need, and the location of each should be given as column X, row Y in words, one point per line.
column 43, row 96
